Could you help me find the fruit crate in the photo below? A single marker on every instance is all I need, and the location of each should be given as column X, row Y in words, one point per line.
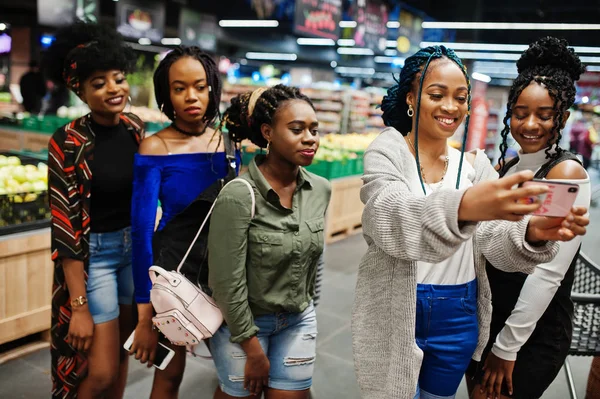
column 24, row 211
column 46, row 124
column 359, row 165
column 331, row 169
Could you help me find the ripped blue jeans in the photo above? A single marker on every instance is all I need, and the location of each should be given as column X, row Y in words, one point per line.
column 289, row 341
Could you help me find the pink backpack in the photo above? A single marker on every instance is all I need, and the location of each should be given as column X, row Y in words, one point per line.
column 184, row 313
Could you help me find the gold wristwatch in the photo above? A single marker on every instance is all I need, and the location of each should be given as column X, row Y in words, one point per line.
column 78, row 302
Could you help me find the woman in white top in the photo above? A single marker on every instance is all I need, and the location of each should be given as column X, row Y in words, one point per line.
column 422, row 307
column 531, row 322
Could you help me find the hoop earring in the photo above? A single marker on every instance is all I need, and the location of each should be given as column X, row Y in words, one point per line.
column 162, row 114
column 410, row 112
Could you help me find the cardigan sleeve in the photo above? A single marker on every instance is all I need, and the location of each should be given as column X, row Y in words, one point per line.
column 404, row 225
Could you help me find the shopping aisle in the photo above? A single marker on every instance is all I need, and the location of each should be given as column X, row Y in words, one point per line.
column 334, row 377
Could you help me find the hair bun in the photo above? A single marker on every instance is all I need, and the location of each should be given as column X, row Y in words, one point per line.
column 551, row 53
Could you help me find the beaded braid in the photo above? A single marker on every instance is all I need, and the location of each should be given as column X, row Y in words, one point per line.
column 242, row 126
column 394, row 105
column 213, row 80
column 552, row 64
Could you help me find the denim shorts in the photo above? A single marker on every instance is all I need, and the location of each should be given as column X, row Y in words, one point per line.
column 110, row 278
column 289, row 341
column 447, row 331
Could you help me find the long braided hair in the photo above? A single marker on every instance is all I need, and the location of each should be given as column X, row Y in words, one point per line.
column 394, row 104
column 550, row 63
column 241, row 125
column 162, row 86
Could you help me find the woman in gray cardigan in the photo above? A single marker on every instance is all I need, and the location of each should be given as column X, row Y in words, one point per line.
column 422, row 307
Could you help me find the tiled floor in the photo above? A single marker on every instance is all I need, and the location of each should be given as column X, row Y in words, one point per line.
column 334, row 378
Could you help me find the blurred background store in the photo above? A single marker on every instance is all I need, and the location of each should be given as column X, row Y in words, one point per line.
column 342, row 53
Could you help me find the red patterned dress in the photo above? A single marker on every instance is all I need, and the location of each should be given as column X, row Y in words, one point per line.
column 69, row 186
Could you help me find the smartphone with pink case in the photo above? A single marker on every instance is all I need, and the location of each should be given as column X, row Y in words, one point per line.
column 559, row 199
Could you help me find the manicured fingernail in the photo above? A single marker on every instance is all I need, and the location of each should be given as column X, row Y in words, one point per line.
column 566, row 224
column 570, row 218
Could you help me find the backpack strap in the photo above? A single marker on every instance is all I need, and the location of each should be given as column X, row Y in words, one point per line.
column 230, row 154
column 507, row 165
column 560, row 157
column 252, row 211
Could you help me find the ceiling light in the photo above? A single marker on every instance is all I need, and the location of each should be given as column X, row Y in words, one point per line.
column 503, row 47
column 383, row 60
column 347, row 24
column 252, row 23
column 272, row 56
column 355, row 51
column 478, row 46
column 354, row 70
column 390, row 52
column 144, row 41
column 481, row 77
column 507, row 26
column 392, row 43
column 306, row 41
column 593, row 69
column 346, row 42
column 590, row 60
column 333, row 64
column 393, row 24
column 170, row 41
column 469, row 55
column 2, row 26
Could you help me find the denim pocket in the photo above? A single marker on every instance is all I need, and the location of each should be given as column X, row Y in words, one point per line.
column 469, row 305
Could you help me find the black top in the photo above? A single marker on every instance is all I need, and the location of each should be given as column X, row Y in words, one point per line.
column 506, row 287
column 112, row 177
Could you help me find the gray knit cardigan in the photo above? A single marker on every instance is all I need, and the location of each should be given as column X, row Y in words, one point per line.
column 402, row 228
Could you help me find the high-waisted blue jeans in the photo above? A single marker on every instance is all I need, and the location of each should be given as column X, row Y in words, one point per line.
column 447, row 332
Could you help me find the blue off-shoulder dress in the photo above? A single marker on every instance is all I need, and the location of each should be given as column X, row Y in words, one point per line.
column 176, row 181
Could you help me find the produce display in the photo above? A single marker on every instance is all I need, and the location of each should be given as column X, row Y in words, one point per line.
column 24, row 181
column 23, row 193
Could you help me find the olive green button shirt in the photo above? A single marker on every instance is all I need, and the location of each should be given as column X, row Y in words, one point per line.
column 266, row 264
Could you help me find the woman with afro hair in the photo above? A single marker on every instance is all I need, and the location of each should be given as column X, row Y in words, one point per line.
column 90, row 184
column 532, row 314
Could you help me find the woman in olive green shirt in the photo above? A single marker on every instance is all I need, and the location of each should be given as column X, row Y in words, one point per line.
column 262, row 269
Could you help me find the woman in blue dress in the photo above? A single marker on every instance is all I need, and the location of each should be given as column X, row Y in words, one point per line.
column 174, row 166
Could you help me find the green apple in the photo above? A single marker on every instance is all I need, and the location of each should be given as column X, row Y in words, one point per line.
column 19, row 174
column 13, row 161
column 26, row 187
column 39, row 186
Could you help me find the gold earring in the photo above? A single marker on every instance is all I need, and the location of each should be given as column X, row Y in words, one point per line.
column 410, row 111
column 268, row 147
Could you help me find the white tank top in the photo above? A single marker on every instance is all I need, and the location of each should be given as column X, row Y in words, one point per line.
column 460, row 267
